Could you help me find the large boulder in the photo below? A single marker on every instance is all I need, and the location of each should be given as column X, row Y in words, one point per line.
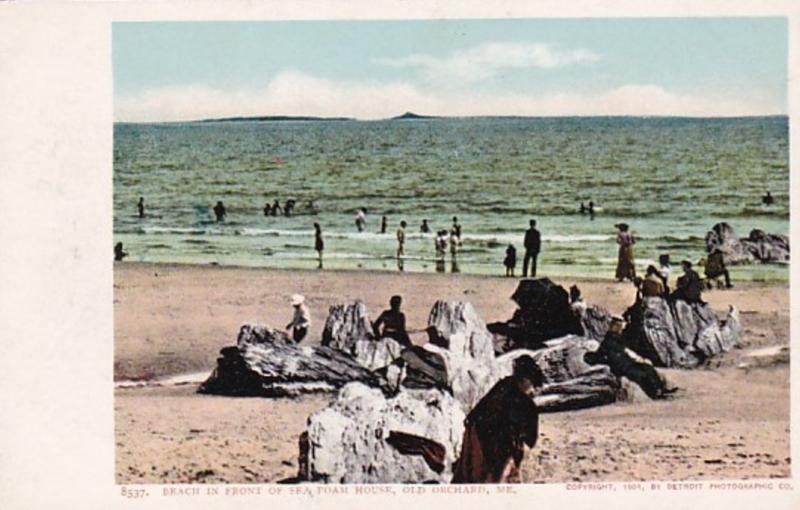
column 350, row 440
column 594, row 319
column 544, row 312
column 758, row 247
column 464, row 344
column 679, row 334
column 349, row 329
column 767, row 248
column 346, row 325
column 266, row 362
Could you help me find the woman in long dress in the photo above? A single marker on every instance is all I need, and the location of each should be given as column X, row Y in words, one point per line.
column 319, row 245
column 625, row 264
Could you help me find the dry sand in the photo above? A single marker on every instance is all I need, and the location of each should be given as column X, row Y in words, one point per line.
column 724, row 423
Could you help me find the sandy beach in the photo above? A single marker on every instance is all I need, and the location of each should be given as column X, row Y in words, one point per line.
column 724, row 423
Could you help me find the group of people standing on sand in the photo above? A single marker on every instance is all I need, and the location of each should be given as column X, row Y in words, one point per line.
column 688, row 287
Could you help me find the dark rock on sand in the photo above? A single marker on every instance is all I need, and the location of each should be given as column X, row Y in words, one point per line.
column 758, row 247
column 544, row 313
column 266, row 362
column 679, row 334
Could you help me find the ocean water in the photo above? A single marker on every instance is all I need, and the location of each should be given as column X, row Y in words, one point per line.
column 671, row 179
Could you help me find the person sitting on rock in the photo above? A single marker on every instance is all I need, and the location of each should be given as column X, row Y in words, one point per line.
column 392, row 323
column 301, row 320
column 652, row 285
column 689, row 285
column 715, row 267
column 625, row 363
column 499, row 426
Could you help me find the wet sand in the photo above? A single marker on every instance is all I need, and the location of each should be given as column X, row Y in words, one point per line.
column 724, row 423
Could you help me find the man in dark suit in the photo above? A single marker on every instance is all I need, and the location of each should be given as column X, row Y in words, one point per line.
column 533, row 244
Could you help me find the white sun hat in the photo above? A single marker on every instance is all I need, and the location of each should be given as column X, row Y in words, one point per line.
column 296, row 299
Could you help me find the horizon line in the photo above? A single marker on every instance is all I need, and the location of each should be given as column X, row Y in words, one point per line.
column 421, row 117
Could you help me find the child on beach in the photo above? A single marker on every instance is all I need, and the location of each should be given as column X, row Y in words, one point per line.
column 511, row 260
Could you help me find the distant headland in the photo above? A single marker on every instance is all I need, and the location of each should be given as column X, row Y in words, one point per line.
column 276, row 118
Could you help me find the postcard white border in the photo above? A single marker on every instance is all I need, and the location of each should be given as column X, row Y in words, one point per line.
column 56, row 428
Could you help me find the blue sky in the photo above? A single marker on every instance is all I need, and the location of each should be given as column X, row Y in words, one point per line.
column 375, row 69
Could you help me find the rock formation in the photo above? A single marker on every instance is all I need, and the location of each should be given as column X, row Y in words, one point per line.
column 346, row 324
column 679, row 334
column 266, row 362
column 758, row 247
column 570, row 381
column 349, row 441
column 465, row 345
column 349, row 329
column 594, row 319
column 545, row 313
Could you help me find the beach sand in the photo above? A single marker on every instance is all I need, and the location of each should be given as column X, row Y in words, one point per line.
column 724, row 423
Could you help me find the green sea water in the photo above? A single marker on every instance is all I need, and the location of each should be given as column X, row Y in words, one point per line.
column 670, row 179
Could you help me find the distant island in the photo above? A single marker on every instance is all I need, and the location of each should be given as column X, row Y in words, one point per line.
column 276, row 118
column 285, row 118
column 413, row 116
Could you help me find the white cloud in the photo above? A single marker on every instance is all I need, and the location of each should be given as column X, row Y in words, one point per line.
column 293, row 93
column 487, row 60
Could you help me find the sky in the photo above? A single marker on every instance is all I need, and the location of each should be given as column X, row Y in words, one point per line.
column 698, row 67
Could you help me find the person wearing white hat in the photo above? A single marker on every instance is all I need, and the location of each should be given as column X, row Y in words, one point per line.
column 301, row 320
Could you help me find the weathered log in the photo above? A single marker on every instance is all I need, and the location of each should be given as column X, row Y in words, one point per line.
column 266, row 363
column 570, row 381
